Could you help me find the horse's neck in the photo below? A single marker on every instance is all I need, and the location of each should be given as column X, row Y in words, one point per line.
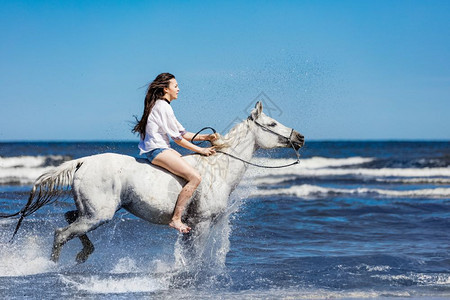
column 241, row 143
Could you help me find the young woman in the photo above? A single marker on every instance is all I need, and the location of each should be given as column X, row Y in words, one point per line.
column 158, row 122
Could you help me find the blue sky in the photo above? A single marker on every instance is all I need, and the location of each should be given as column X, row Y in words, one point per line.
column 74, row 70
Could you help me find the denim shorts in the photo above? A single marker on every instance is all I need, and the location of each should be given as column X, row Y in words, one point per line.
column 153, row 153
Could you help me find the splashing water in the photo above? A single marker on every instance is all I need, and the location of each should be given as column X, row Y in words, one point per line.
column 200, row 258
column 27, row 256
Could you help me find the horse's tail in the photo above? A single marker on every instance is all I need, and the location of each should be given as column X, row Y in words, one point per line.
column 48, row 188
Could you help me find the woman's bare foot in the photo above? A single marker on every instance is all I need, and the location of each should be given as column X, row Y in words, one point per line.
column 180, row 226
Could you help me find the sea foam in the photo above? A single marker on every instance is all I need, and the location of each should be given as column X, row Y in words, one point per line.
column 112, row 284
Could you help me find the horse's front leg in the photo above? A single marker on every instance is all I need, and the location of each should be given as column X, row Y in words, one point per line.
column 190, row 247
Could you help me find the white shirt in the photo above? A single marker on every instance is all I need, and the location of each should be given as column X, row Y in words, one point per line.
column 161, row 124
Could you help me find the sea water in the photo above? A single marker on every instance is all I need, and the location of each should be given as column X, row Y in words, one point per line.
column 352, row 220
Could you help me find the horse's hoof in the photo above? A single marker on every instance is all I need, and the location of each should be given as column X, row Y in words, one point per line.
column 81, row 258
column 83, row 255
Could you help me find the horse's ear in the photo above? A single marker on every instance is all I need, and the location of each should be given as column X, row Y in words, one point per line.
column 258, row 106
column 257, row 111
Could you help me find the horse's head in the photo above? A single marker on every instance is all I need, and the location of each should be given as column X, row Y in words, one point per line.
column 271, row 133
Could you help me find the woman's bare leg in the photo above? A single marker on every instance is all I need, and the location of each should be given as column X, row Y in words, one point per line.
column 171, row 160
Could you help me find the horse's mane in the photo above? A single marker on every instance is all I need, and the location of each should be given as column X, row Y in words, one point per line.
column 229, row 139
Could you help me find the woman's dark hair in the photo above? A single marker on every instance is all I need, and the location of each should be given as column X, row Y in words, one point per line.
column 155, row 91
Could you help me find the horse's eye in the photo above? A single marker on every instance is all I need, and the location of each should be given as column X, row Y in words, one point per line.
column 272, row 124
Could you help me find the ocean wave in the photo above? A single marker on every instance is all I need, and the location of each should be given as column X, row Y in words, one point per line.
column 307, row 190
column 316, row 167
column 431, row 180
column 410, row 176
column 431, row 279
column 22, row 175
column 32, row 161
column 385, row 172
column 316, row 162
column 294, row 179
column 370, row 268
column 25, row 169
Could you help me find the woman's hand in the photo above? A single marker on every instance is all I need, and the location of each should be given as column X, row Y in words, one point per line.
column 213, row 136
column 208, row 151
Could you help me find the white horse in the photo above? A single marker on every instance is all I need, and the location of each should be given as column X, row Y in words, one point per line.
column 104, row 183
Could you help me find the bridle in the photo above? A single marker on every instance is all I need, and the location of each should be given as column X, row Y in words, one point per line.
column 266, row 129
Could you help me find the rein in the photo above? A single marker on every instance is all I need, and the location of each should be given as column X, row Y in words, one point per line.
column 250, row 163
